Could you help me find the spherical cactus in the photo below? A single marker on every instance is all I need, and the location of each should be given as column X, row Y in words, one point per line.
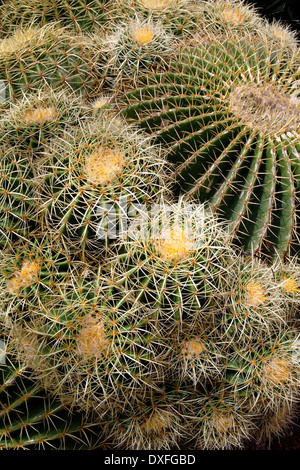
column 251, row 304
column 277, row 422
column 231, row 18
column 228, row 113
column 32, row 57
column 31, row 268
column 81, row 15
column 179, row 17
column 174, row 257
column 31, row 122
column 30, row 418
column 18, row 203
column 267, row 369
column 94, row 177
column 287, row 276
column 197, row 353
column 281, row 36
column 91, row 344
column 154, row 422
column 220, row 421
column 137, row 45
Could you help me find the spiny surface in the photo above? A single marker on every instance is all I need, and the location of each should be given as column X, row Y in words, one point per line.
column 228, row 114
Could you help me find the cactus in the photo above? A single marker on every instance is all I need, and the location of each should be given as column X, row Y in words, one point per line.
column 228, row 18
column 89, row 175
column 266, row 370
column 228, row 114
column 288, row 280
column 33, row 57
column 30, row 123
column 18, row 203
column 154, row 423
column 174, row 258
column 252, row 303
column 126, row 300
column 31, row 268
column 197, row 354
column 136, row 45
column 277, row 422
column 220, row 421
column 81, row 15
column 91, row 344
column 179, row 17
column 31, row 419
column 281, row 36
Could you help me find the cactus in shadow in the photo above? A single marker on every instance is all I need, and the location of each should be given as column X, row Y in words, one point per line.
column 154, row 422
column 228, row 114
column 30, row 418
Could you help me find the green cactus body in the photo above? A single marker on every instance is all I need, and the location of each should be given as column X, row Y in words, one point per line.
column 89, row 176
column 30, row 418
column 174, row 259
column 18, row 201
column 81, row 15
column 30, row 123
column 91, row 344
column 229, row 116
column 34, row 57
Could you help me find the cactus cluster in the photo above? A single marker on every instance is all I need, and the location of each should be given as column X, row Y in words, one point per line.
column 30, row 418
column 228, row 114
column 149, row 238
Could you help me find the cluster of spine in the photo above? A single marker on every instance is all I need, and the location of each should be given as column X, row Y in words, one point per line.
column 179, row 17
column 149, row 192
